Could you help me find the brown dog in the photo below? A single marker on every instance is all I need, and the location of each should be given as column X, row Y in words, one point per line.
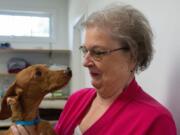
column 23, row 97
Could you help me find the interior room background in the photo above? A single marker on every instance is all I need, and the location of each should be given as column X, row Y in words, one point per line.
column 161, row 79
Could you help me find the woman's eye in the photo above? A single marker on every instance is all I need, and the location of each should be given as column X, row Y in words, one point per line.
column 99, row 52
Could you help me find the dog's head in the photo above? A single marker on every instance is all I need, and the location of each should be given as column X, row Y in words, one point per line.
column 34, row 81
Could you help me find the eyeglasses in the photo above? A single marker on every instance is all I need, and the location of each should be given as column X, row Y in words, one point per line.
column 98, row 54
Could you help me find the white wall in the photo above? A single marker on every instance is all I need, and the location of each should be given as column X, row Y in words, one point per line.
column 162, row 78
column 59, row 9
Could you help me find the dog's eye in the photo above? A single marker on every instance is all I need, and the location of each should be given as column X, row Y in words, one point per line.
column 38, row 73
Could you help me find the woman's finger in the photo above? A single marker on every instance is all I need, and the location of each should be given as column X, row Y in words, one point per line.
column 22, row 130
column 15, row 130
column 31, row 130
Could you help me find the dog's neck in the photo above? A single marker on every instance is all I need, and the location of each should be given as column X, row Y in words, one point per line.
column 31, row 108
column 27, row 109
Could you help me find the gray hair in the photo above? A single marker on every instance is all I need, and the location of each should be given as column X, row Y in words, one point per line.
column 130, row 27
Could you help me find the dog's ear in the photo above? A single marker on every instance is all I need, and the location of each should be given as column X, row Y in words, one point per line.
column 5, row 111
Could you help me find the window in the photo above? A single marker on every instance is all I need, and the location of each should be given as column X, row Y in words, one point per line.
column 25, row 25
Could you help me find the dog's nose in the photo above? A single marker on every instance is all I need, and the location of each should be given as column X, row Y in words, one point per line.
column 68, row 71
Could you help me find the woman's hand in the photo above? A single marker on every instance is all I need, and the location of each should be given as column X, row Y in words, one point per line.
column 21, row 130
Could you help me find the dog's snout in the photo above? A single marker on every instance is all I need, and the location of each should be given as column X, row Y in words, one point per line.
column 68, row 71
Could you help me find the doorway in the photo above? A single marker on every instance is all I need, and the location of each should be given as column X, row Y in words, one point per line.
column 78, row 78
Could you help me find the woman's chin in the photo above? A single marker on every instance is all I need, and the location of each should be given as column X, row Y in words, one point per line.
column 96, row 84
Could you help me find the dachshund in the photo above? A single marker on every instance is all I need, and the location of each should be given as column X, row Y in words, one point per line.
column 22, row 99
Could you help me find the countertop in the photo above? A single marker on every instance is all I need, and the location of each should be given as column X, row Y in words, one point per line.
column 53, row 103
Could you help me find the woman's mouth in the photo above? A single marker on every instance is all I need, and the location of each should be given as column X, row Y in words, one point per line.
column 94, row 74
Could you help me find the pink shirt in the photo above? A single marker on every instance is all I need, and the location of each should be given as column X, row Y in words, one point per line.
column 133, row 113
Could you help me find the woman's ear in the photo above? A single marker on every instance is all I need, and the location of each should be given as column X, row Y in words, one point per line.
column 5, row 111
column 133, row 65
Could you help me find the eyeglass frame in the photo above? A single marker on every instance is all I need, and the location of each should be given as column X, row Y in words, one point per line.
column 97, row 55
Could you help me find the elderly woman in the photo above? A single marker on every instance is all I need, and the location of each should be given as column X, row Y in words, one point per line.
column 118, row 44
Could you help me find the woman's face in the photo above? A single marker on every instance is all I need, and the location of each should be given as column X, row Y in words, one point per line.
column 112, row 72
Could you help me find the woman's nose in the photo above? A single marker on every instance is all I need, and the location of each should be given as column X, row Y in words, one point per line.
column 88, row 60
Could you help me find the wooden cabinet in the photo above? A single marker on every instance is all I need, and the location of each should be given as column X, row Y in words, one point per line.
column 49, row 110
